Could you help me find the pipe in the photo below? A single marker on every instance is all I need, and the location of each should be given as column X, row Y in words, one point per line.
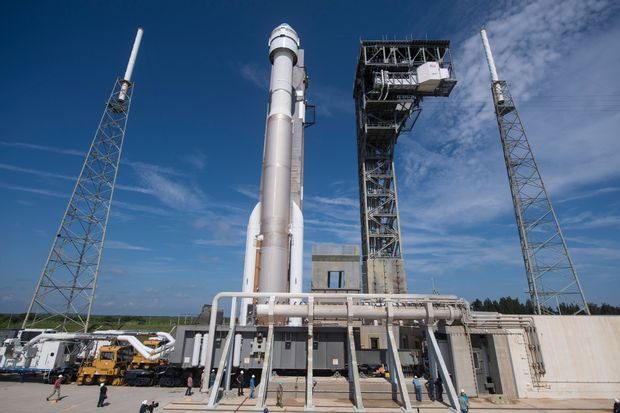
column 249, row 264
column 491, row 62
column 438, row 299
column 130, row 65
column 196, row 350
column 106, row 335
column 203, row 353
column 276, row 174
column 360, row 311
column 146, row 352
column 297, row 258
column 63, row 337
column 237, row 351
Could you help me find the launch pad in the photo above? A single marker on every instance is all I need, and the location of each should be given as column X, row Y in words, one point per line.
column 360, row 332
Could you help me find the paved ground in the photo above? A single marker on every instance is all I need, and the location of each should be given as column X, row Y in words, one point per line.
column 30, row 397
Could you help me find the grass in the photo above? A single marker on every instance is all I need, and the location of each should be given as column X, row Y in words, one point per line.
column 104, row 322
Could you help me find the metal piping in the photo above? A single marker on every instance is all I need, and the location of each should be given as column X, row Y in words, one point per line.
column 110, row 335
column 401, row 299
column 276, row 174
column 146, row 352
column 359, row 312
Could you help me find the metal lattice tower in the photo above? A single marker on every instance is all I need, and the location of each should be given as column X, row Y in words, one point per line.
column 391, row 80
column 552, row 280
column 66, row 287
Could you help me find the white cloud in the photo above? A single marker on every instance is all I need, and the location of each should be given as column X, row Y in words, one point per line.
column 176, row 195
column 31, row 190
column 330, row 101
column 197, row 159
column 453, row 170
column 256, row 74
column 121, row 245
column 25, row 145
column 251, row 191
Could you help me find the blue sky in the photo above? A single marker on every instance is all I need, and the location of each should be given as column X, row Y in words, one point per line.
column 191, row 166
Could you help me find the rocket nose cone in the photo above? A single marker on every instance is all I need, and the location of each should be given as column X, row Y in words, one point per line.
column 284, row 30
column 284, row 26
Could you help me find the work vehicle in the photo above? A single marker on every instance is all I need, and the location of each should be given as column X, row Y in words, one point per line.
column 145, row 371
column 108, row 367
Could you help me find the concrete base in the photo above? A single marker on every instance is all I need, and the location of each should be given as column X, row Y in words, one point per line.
column 581, row 356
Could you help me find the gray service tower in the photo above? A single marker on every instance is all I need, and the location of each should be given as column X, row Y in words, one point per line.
column 392, row 78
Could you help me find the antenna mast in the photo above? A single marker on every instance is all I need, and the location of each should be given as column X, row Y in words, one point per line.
column 66, row 289
column 553, row 283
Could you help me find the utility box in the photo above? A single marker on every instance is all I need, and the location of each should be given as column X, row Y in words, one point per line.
column 430, row 75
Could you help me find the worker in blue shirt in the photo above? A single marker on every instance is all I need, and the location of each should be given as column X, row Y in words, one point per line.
column 464, row 402
column 418, row 388
column 252, row 387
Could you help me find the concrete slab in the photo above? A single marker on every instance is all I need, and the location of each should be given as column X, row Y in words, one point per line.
column 30, row 397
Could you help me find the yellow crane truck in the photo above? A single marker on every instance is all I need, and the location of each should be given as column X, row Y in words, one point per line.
column 108, row 366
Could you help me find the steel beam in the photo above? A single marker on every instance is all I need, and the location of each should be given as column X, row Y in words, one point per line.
column 443, row 369
column 267, row 363
column 310, row 356
column 355, row 392
column 396, row 371
column 225, row 359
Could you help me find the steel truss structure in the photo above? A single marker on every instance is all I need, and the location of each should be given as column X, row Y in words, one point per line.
column 388, row 96
column 552, row 280
column 393, row 309
column 66, row 287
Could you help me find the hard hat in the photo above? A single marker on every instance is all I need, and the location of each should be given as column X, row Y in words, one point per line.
column 101, row 385
column 415, row 377
column 212, row 370
column 145, row 401
column 60, row 375
column 462, row 391
column 252, row 375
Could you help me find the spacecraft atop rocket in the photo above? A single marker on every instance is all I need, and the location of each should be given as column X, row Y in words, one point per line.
column 274, row 242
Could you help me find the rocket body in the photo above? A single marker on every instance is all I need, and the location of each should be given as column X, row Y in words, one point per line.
column 276, row 177
column 274, row 243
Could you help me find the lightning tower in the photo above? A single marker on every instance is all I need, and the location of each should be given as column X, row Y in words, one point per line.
column 66, row 287
column 391, row 80
column 552, row 280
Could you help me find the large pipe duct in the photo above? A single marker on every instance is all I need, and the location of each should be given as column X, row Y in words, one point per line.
column 276, row 175
column 361, row 312
column 130, row 65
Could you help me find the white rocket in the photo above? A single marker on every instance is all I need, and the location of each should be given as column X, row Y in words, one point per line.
column 275, row 229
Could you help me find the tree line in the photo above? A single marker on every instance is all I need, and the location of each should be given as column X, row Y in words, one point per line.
column 509, row 305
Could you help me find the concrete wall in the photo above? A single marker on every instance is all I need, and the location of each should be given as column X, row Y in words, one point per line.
column 462, row 364
column 330, row 257
column 581, row 356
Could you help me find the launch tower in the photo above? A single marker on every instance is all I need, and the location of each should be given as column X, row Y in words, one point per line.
column 392, row 78
column 551, row 277
column 66, row 287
